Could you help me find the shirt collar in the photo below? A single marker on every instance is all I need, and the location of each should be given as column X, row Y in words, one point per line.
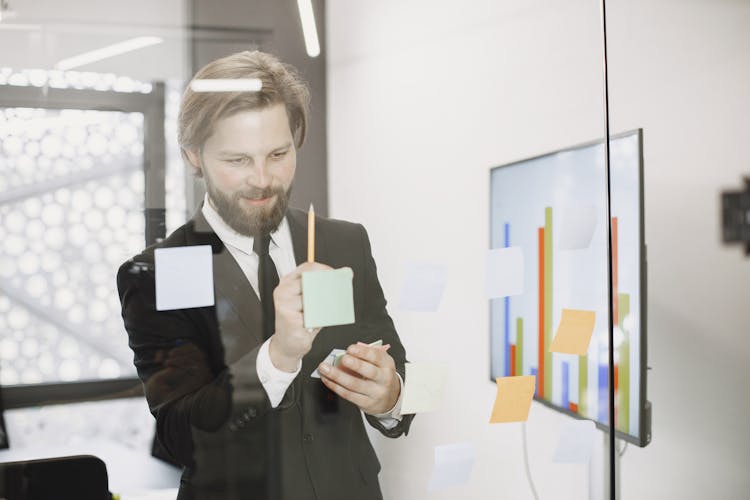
column 281, row 237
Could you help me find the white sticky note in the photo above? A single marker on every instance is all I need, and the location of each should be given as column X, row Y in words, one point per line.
column 424, row 387
column 453, row 465
column 505, row 272
column 184, row 277
column 576, row 442
column 577, row 227
column 423, row 287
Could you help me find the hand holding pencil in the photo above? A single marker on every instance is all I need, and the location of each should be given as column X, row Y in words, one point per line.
column 291, row 340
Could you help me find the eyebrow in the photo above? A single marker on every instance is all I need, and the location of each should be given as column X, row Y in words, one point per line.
column 285, row 146
column 228, row 152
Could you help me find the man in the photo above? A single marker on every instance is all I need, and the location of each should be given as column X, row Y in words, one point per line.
column 230, row 385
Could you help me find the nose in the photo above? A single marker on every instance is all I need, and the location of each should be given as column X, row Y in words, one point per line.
column 262, row 177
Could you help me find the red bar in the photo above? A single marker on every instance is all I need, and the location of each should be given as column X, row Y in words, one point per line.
column 573, row 407
column 512, row 360
column 540, row 371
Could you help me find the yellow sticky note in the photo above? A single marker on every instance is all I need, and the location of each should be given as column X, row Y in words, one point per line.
column 574, row 333
column 513, row 400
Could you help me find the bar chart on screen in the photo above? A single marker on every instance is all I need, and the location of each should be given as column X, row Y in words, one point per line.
column 552, row 208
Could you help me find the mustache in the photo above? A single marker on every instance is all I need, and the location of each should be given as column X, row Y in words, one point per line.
column 259, row 193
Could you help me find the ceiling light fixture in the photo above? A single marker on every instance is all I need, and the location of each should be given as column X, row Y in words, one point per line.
column 309, row 30
column 108, row 51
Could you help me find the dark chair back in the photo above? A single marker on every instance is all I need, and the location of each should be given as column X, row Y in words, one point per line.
column 81, row 477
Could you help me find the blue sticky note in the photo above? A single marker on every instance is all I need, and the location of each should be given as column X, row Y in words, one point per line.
column 328, row 297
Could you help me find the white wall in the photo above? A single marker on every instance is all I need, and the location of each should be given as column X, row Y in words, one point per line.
column 425, row 96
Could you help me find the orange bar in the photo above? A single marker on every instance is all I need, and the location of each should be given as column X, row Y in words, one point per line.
column 573, row 407
column 512, row 360
column 617, row 406
column 540, row 370
column 617, row 367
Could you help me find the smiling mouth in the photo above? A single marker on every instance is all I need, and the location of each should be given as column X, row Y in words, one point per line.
column 257, row 201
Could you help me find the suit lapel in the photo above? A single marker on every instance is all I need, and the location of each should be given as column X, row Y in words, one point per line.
column 238, row 307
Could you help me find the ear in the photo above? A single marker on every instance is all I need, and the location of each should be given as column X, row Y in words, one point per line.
column 194, row 158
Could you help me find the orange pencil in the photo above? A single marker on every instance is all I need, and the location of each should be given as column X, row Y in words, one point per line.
column 311, row 234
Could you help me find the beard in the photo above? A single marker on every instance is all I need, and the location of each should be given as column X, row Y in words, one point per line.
column 250, row 221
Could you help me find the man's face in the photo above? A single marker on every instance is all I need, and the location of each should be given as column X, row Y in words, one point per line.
column 248, row 164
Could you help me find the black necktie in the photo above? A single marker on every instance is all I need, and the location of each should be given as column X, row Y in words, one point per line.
column 268, row 280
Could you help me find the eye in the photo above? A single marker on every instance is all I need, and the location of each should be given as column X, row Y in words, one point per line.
column 237, row 161
column 279, row 155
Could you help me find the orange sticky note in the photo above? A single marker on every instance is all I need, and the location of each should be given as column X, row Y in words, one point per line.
column 513, row 400
column 574, row 333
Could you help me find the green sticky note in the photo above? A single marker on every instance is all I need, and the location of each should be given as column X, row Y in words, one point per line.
column 328, row 297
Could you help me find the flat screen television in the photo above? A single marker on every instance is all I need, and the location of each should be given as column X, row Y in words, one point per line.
column 554, row 208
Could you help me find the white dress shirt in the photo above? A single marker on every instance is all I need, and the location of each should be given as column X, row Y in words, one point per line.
column 275, row 382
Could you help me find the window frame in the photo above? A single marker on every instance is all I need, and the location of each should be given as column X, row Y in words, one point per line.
column 152, row 106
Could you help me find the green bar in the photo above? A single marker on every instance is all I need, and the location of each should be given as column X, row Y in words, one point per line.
column 583, row 384
column 623, row 373
column 547, row 302
column 519, row 346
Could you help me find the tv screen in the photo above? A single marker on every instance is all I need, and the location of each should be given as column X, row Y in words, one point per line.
column 554, row 208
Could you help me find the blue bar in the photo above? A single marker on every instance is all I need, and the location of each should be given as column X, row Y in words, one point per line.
column 536, row 386
column 565, row 385
column 603, row 394
column 506, row 340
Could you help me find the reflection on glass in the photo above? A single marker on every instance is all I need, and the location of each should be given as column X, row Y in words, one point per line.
column 71, row 202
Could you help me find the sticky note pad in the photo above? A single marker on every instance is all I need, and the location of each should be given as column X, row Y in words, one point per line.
column 513, row 400
column 453, row 465
column 423, row 387
column 334, row 357
column 423, row 287
column 176, row 288
column 330, row 360
column 328, row 297
column 576, row 442
column 505, row 272
column 574, row 333
column 577, row 227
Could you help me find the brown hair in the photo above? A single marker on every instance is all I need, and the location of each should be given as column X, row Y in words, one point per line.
column 281, row 83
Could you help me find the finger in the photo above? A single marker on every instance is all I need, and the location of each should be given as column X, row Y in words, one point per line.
column 288, row 287
column 363, row 368
column 313, row 266
column 290, row 304
column 313, row 332
column 360, row 400
column 373, row 354
column 350, row 382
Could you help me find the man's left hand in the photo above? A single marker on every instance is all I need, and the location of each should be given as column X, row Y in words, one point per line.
column 366, row 377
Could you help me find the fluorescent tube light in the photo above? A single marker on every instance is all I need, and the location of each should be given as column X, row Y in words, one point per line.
column 108, row 51
column 309, row 30
column 227, row 85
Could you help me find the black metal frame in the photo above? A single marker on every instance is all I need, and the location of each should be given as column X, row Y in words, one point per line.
column 26, row 396
column 151, row 105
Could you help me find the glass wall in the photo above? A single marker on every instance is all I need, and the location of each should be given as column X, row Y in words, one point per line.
column 441, row 281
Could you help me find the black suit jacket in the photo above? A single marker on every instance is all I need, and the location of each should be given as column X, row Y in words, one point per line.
column 213, row 415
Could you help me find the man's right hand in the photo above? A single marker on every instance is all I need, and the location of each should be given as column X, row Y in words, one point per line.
column 291, row 340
